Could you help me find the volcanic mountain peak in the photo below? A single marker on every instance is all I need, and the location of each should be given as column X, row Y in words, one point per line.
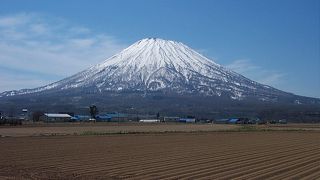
column 154, row 53
column 155, row 64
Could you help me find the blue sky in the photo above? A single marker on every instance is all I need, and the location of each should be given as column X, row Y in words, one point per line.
column 275, row 42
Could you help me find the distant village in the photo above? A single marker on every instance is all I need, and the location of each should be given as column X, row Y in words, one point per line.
column 94, row 115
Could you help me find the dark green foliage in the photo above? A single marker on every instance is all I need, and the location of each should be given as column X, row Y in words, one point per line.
column 36, row 115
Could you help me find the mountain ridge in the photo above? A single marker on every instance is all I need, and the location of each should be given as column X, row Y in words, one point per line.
column 154, row 64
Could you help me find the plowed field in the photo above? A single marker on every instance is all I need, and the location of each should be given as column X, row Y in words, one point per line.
column 206, row 155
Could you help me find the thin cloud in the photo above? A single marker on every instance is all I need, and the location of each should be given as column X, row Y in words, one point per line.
column 273, row 79
column 13, row 20
column 242, row 66
column 47, row 45
column 257, row 73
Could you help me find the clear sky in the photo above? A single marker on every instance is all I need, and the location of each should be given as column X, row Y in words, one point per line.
column 275, row 42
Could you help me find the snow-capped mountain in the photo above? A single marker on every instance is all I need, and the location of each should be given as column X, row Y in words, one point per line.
column 154, row 64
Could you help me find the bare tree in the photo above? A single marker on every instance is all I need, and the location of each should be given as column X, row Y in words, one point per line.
column 93, row 111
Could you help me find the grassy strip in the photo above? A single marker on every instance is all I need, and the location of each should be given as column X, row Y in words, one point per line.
column 94, row 133
column 240, row 129
column 248, row 128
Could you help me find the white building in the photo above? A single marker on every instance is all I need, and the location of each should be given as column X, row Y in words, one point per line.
column 53, row 117
column 149, row 120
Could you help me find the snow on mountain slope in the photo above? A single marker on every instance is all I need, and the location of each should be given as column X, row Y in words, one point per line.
column 161, row 65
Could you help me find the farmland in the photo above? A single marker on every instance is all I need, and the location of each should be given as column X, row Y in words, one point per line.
column 221, row 154
column 62, row 129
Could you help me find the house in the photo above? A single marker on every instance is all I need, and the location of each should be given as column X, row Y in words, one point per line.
column 53, row 117
column 149, row 120
column 103, row 118
column 239, row 121
column 221, row 121
column 283, row 121
column 24, row 115
column 234, row 121
column 80, row 118
column 187, row 120
column 171, row 119
column 117, row 117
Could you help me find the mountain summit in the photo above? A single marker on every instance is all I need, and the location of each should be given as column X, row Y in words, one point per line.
column 157, row 65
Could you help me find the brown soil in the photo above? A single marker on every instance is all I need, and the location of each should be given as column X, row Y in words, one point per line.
column 214, row 155
column 54, row 129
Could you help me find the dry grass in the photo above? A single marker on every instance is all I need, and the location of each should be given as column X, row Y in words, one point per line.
column 108, row 128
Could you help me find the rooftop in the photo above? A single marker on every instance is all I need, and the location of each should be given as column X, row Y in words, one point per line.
column 57, row 115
